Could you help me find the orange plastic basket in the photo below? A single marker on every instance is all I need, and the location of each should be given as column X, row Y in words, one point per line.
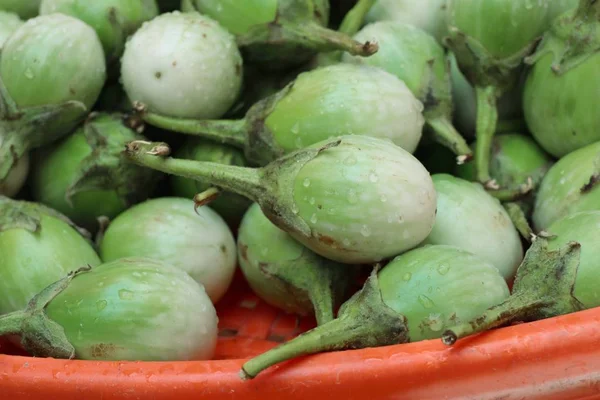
column 557, row 358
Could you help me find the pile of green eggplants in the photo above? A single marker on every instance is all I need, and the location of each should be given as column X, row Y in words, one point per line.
column 447, row 151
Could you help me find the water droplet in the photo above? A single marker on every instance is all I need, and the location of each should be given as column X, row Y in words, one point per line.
column 373, row 177
column 406, row 234
column 100, row 284
column 264, row 251
column 350, row 160
column 29, row 73
column 298, row 142
column 365, row 231
column 390, row 219
column 425, row 301
column 137, row 274
column 125, row 294
column 407, row 277
column 430, row 289
column 331, row 211
column 346, row 242
column 306, row 182
column 383, row 198
column 101, row 304
column 312, row 201
column 352, row 196
column 296, row 128
column 294, row 208
column 314, row 219
column 562, row 181
column 443, row 269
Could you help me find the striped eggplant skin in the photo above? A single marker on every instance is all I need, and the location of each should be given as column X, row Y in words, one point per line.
column 182, row 65
column 470, row 218
column 570, row 186
column 136, row 309
column 437, row 286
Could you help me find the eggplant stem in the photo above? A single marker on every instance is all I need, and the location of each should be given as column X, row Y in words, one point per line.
column 10, row 324
column 487, row 118
column 514, row 193
column 355, row 18
column 321, row 298
column 515, row 308
column 240, row 180
column 446, row 134
column 232, row 132
column 517, row 216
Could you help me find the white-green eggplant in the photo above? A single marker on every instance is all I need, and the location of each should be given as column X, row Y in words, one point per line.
column 287, row 275
column 167, row 229
column 470, row 218
column 46, row 86
column 418, row 60
column 353, row 199
column 9, row 22
column 182, row 65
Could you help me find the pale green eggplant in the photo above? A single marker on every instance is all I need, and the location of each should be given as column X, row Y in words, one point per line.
column 353, row 199
column 134, row 309
column 9, row 22
column 415, row 297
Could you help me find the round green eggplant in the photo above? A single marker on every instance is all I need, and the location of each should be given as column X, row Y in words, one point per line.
column 288, row 275
column 418, row 60
column 342, row 99
column 470, row 218
column 413, row 298
column 85, row 176
column 38, row 246
column 134, row 309
column 167, row 229
column 353, row 199
column 9, row 22
column 279, row 34
column 46, row 86
column 113, row 20
column 228, row 205
column 563, row 84
column 24, row 8
column 570, row 186
column 182, row 65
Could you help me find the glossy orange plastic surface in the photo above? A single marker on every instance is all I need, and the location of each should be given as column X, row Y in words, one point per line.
column 554, row 359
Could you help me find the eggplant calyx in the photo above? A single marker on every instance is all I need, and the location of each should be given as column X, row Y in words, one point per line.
column 364, row 321
column 41, row 336
column 543, row 289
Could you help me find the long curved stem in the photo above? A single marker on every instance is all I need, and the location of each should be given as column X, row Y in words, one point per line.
column 231, row 132
column 519, row 220
column 321, row 298
column 487, row 118
column 446, row 135
column 241, row 180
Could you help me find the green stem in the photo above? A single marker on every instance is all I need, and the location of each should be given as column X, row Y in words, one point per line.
column 515, row 308
column 331, row 336
column 319, row 38
column 321, row 298
column 487, row 118
column 10, row 324
column 517, row 216
column 232, row 132
column 241, row 180
column 448, row 136
column 355, row 18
